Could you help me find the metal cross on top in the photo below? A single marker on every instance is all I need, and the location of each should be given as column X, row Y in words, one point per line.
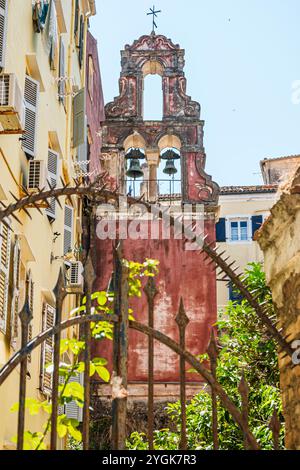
column 154, row 12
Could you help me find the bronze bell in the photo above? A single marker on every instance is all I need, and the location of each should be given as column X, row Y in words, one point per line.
column 170, row 168
column 135, row 170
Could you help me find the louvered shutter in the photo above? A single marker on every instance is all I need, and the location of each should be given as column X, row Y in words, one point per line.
column 61, row 408
column 82, row 150
column 5, row 239
column 81, row 41
column 72, row 410
column 31, row 306
column 221, row 230
column 79, row 118
column 47, row 349
column 68, row 229
column 3, row 30
column 15, row 293
column 52, row 177
column 257, row 221
column 76, row 17
column 62, row 71
column 31, row 103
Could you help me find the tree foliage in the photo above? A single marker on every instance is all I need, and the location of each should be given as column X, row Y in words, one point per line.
column 244, row 346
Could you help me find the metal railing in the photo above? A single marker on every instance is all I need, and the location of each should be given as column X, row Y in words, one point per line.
column 120, row 340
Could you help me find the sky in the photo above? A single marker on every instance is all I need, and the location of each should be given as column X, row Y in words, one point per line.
column 242, row 61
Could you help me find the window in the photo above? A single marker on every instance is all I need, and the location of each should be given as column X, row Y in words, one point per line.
column 239, row 230
column 15, row 286
column 234, row 295
column 62, row 72
column 68, row 229
column 5, row 239
column 31, row 102
column 53, row 161
column 3, row 30
column 47, row 350
column 79, row 118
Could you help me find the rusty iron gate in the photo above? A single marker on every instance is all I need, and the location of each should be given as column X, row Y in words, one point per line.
column 95, row 193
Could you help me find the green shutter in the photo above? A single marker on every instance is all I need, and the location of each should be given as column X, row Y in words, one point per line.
column 79, row 118
column 3, row 30
column 62, row 72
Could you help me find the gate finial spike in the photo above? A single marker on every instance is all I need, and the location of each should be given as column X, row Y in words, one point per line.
column 60, row 283
column 182, row 319
column 150, row 288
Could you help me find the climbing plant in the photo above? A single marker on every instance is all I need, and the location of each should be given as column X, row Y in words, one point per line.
column 70, row 390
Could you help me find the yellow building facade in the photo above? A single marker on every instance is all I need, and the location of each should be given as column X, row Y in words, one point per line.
column 242, row 211
column 42, row 60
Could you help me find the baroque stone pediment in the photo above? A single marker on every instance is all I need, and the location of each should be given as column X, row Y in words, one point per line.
column 153, row 42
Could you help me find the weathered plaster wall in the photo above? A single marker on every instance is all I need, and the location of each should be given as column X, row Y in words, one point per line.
column 94, row 105
column 280, row 241
column 181, row 274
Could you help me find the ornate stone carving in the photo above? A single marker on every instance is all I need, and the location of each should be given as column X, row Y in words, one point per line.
column 181, row 115
column 152, row 42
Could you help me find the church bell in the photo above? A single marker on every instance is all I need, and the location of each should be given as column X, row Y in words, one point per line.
column 170, row 168
column 135, row 170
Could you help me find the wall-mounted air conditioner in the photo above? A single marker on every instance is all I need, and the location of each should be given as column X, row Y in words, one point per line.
column 12, row 109
column 36, row 175
column 75, row 275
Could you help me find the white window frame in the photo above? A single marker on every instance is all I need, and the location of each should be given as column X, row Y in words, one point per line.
column 239, row 218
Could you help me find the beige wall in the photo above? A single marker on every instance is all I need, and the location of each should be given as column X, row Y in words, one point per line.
column 241, row 205
column 54, row 128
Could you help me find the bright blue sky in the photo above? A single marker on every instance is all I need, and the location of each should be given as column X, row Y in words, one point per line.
column 242, row 57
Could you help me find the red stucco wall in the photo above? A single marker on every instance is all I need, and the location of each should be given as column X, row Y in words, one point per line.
column 181, row 274
column 94, row 106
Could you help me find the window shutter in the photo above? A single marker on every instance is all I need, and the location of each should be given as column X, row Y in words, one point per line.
column 52, row 177
column 82, row 150
column 47, row 349
column 31, row 102
column 79, row 118
column 81, row 41
column 31, row 305
column 62, row 71
column 257, row 221
column 234, row 294
column 68, row 229
column 61, row 408
column 72, row 410
column 3, row 30
column 5, row 239
column 221, row 230
column 15, row 293
column 76, row 17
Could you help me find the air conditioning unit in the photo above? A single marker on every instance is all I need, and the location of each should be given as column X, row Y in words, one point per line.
column 12, row 108
column 36, row 175
column 75, row 275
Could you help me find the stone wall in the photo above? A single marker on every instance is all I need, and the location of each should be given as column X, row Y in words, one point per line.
column 279, row 238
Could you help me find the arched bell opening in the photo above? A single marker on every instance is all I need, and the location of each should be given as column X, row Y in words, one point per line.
column 134, row 146
column 153, row 101
column 134, row 170
column 169, row 172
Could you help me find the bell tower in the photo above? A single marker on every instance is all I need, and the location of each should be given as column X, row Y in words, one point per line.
column 161, row 161
column 181, row 127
